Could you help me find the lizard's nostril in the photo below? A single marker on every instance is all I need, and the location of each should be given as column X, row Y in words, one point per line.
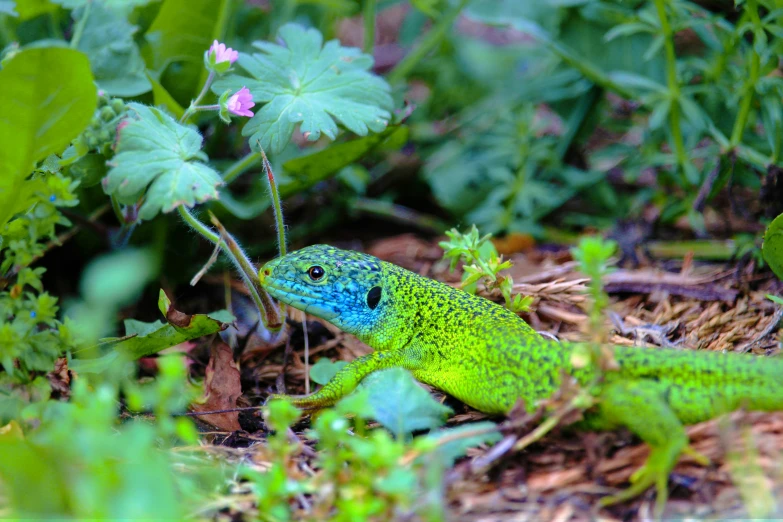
column 267, row 272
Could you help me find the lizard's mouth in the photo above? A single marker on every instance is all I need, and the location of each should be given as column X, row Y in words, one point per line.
column 285, row 292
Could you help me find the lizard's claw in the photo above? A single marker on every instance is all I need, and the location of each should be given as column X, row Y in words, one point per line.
column 654, row 472
column 700, row 458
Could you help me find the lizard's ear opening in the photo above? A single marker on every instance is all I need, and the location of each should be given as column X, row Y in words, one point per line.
column 374, row 297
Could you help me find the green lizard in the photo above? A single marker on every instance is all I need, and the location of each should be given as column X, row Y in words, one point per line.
column 489, row 358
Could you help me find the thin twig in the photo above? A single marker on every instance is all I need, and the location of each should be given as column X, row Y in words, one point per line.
column 280, row 379
column 212, row 412
column 211, row 261
column 306, row 354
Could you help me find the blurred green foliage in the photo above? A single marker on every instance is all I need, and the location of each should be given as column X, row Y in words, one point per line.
column 772, row 248
column 514, row 116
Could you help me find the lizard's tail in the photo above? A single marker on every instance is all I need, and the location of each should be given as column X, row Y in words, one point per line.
column 704, row 384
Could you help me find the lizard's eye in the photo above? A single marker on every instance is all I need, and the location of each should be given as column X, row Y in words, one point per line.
column 315, row 272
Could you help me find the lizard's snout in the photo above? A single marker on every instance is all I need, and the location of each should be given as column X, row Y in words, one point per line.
column 266, row 271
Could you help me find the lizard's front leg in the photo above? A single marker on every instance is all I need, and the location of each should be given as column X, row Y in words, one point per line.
column 347, row 379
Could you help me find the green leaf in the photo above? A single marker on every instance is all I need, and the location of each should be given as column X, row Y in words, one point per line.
column 48, row 98
column 324, row 369
column 107, row 40
column 160, row 156
column 308, row 84
column 772, row 248
column 325, row 163
column 134, row 327
column 149, row 338
column 224, row 316
column 775, row 299
column 28, row 9
column 400, row 404
column 453, row 449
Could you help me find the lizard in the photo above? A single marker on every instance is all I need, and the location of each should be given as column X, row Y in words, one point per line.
column 489, row 358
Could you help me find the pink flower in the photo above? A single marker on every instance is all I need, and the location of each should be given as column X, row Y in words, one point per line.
column 223, row 53
column 241, row 102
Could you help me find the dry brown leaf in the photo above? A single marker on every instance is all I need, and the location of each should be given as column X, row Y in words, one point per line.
column 222, row 388
column 60, row 379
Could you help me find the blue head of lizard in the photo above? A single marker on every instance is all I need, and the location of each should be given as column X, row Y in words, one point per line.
column 340, row 286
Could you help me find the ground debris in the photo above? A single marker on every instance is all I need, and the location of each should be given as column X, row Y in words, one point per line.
column 703, row 306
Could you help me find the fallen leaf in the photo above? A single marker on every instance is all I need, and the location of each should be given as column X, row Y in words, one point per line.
column 221, row 390
column 60, row 379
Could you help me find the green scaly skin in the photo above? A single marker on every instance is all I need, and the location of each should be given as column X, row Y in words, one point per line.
column 489, row 358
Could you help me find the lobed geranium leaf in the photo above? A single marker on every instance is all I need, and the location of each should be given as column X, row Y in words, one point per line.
column 307, row 82
column 162, row 160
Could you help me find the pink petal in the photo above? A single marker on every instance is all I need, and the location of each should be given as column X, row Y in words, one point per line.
column 223, row 53
column 241, row 102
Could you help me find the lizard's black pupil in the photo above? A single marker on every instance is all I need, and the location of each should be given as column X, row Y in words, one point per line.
column 316, row 273
column 374, row 297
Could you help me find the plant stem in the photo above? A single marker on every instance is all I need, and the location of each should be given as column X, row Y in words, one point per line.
column 115, row 205
column 279, row 224
column 77, row 32
column 215, row 107
column 268, row 309
column 430, row 41
column 674, row 88
column 193, row 105
column 272, row 314
column 240, row 166
column 750, row 86
column 369, row 26
column 197, row 225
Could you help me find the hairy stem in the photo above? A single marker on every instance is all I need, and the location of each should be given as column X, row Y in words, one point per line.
column 193, row 105
column 197, row 225
column 279, row 224
column 240, row 166
column 271, row 313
